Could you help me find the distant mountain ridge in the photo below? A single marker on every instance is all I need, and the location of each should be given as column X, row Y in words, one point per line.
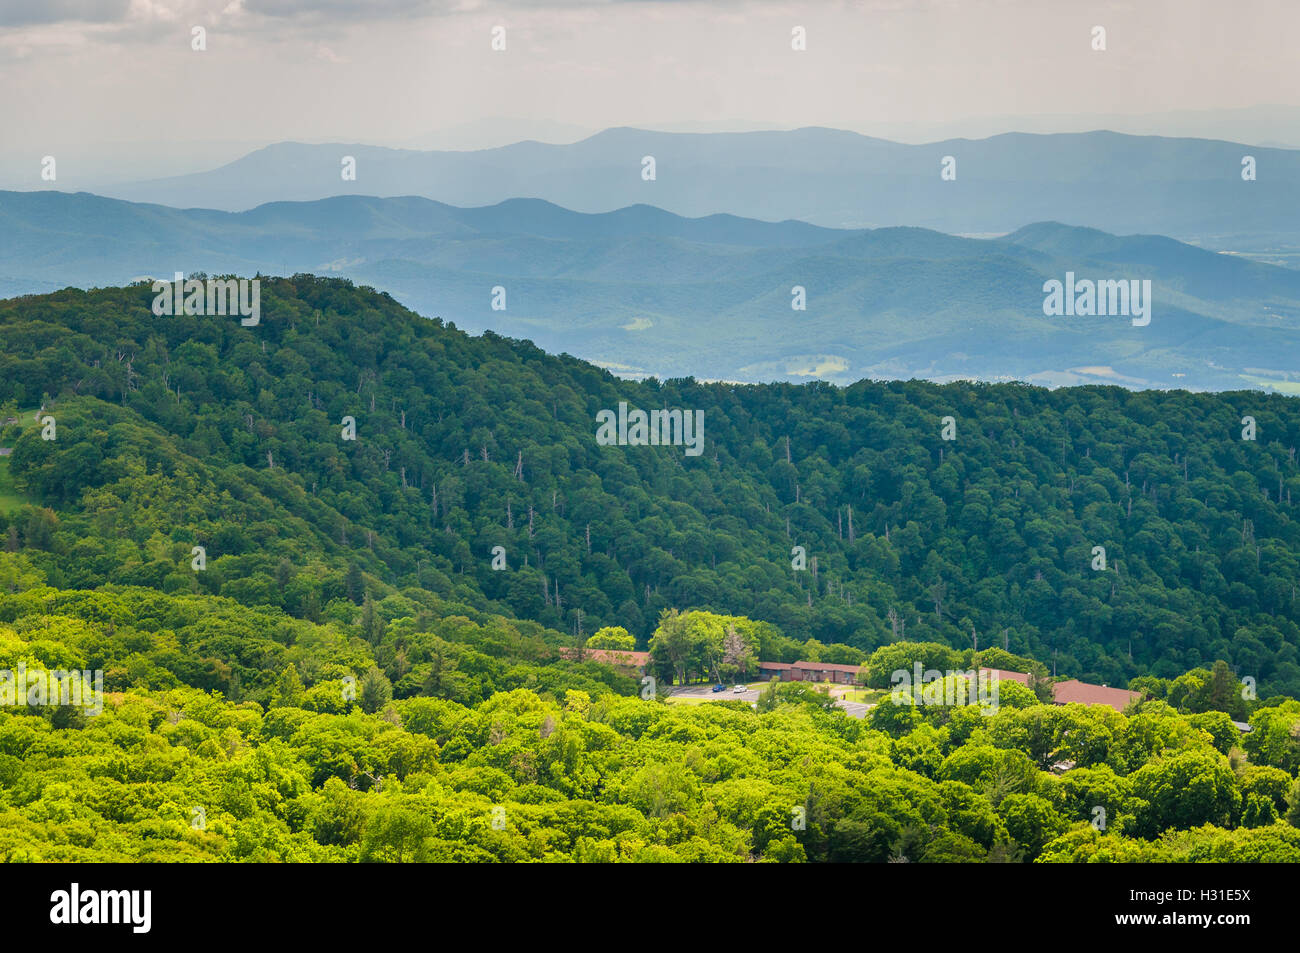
column 644, row 292
column 1190, row 189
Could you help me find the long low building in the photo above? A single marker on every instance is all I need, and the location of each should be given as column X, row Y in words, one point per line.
column 1073, row 691
column 1063, row 693
column 810, row 672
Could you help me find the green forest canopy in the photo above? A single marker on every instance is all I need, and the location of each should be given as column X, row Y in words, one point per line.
column 194, row 430
column 349, row 679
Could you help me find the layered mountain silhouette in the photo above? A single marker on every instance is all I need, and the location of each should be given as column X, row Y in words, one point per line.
column 1191, row 189
column 645, row 292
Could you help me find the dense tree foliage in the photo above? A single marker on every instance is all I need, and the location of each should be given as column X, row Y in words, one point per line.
column 194, row 430
column 485, row 744
column 309, row 655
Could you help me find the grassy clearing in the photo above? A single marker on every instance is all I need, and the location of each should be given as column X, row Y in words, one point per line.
column 10, row 498
column 868, row 696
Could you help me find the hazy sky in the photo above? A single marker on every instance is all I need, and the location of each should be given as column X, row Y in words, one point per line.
column 80, row 73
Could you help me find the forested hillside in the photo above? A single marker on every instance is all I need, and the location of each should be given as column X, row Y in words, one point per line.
column 186, row 431
column 306, row 654
column 495, row 750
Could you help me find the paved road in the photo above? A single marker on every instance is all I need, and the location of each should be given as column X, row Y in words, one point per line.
column 706, row 691
column 853, row 709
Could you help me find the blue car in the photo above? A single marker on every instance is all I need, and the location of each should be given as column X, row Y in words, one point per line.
column 719, row 687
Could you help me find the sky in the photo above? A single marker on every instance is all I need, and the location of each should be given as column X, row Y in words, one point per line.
column 115, row 89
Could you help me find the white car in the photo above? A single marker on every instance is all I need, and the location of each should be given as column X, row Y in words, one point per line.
column 740, row 688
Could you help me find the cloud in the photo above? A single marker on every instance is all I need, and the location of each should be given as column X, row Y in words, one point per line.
column 36, row 13
column 341, row 9
column 16, row 13
column 28, row 13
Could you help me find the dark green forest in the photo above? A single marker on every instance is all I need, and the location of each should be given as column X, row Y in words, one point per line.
column 307, row 654
column 194, row 430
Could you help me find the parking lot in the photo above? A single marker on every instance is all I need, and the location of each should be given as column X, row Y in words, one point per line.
column 706, row 693
column 698, row 694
